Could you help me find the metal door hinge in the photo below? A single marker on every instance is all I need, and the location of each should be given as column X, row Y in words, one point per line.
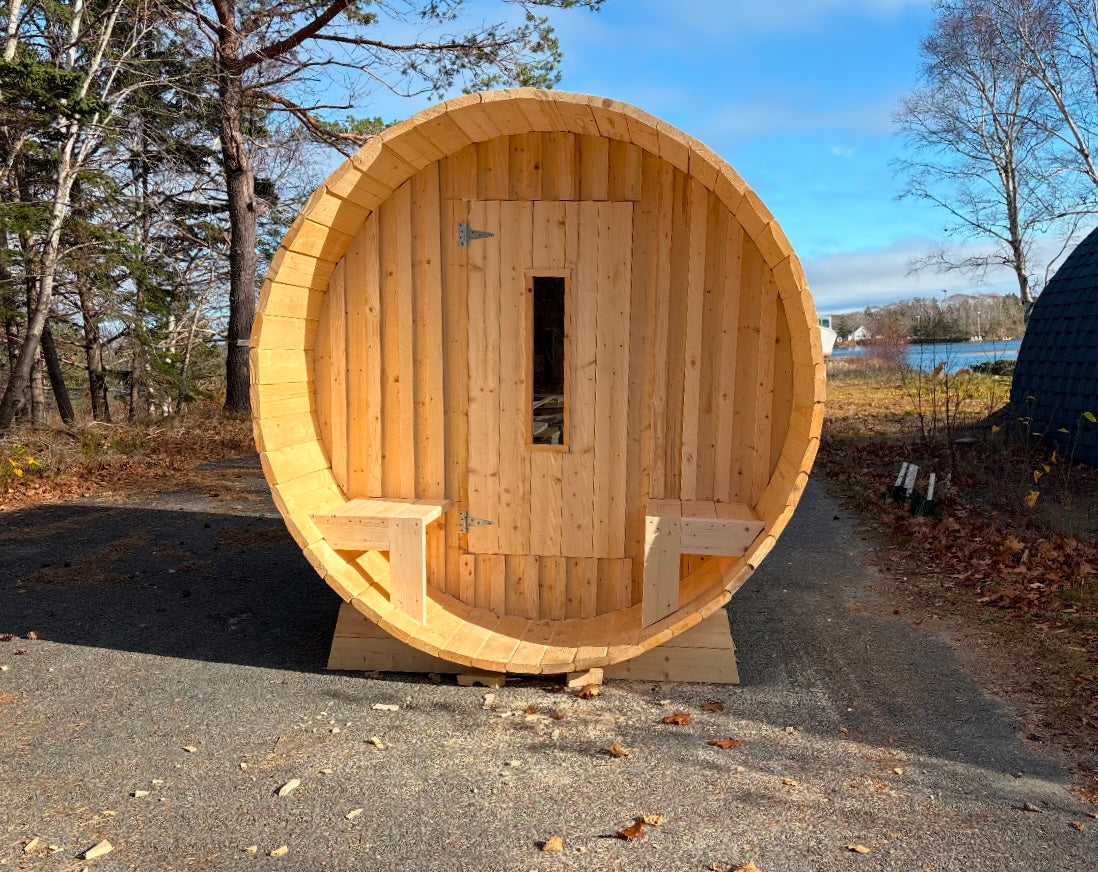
column 467, row 234
column 465, row 521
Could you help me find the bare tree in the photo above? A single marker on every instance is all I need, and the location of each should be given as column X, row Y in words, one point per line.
column 980, row 129
column 265, row 54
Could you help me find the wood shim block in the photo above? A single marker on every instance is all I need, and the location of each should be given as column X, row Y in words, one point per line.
column 704, row 653
column 580, row 680
column 360, row 644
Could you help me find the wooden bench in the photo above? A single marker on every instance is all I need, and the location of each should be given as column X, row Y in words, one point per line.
column 393, row 525
column 676, row 527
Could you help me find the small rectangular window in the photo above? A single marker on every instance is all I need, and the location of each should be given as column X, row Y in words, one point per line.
column 549, row 350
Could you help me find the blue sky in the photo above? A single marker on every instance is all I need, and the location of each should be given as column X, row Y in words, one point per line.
column 798, row 96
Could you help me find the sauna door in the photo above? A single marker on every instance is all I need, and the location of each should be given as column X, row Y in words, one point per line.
column 565, row 494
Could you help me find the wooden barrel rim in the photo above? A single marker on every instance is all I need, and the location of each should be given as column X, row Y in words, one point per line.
column 294, row 290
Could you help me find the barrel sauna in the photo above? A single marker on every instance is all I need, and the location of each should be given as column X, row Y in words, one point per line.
column 536, row 381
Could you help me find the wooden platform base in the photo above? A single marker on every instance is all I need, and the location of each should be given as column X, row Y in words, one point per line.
column 703, row 654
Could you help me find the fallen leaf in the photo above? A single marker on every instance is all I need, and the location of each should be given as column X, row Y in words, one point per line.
column 712, row 707
column 531, row 710
column 31, row 845
column 20, row 652
column 385, row 707
column 1093, row 814
column 554, row 844
column 289, row 787
column 555, row 688
column 791, row 782
column 858, row 849
column 679, row 719
column 434, row 678
column 726, row 744
column 618, row 750
column 556, row 715
column 190, row 749
column 327, row 770
column 750, row 867
column 97, row 851
column 635, row 831
column 653, row 820
column 32, row 635
column 252, row 849
column 1078, row 825
column 376, row 742
column 1029, row 806
column 7, row 637
column 353, row 813
column 590, row 691
column 280, row 851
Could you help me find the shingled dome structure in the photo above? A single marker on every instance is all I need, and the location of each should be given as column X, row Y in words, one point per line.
column 537, row 381
column 1056, row 377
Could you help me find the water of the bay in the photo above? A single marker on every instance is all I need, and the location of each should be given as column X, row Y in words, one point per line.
column 955, row 355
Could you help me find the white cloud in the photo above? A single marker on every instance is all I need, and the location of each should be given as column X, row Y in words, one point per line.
column 843, row 151
column 849, row 281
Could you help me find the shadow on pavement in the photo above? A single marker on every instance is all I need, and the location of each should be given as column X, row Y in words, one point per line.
column 818, row 646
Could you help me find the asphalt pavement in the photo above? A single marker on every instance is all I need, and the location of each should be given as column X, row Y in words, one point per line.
column 165, row 678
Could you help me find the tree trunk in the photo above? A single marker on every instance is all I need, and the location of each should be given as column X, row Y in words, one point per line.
column 240, row 187
column 36, row 322
column 57, row 377
column 38, row 415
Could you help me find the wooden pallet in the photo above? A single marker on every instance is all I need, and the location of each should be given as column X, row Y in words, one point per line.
column 703, row 654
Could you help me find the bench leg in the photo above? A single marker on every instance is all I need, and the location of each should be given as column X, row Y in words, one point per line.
column 408, row 567
column 662, row 547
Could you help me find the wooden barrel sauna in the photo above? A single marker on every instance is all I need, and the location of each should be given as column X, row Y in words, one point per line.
column 537, row 381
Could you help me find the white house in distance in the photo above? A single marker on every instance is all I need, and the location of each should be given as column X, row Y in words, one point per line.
column 860, row 335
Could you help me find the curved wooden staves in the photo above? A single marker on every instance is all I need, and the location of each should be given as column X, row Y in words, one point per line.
column 709, row 385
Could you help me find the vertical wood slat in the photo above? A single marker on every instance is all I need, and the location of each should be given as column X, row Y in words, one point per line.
column 548, row 252
column 581, row 599
column 365, row 373
column 660, row 293
column 558, row 167
column 625, row 179
column 711, row 344
column 676, row 335
column 493, row 169
column 725, row 453
column 646, row 252
column 522, row 595
column 337, row 375
column 697, row 200
column 515, row 223
column 526, row 166
column 578, row 465
column 594, row 167
column 764, row 388
column 747, row 372
column 614, row 585
column 483, row 368
column 615, row 254
column 426, row 253
column 553, row 592
column 401, row 228
column 458, row 177
column 783, row 384
column 323, row 371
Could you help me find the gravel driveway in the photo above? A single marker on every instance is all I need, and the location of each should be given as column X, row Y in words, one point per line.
column 177, row 681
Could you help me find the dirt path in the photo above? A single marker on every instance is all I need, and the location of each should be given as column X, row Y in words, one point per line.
column 190, row 619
